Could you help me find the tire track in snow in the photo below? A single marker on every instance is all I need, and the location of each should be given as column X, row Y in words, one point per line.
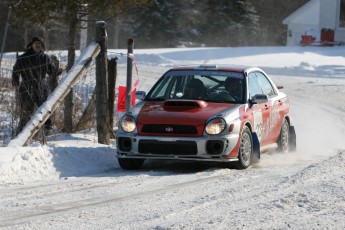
column 4, row 194
column 12, row 219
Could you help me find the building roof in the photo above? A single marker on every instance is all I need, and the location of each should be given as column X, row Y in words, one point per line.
column 306, row 7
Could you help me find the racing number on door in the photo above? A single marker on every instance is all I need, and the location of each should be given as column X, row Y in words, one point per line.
column 258, row 122
column 258, row 129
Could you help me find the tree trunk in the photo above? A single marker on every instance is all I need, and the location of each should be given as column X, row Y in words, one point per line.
column 68, row 111
column 116, row 28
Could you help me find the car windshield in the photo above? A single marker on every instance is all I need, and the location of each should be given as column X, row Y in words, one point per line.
column 207, row 85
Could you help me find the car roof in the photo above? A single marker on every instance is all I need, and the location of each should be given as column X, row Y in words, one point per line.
column 234, row 68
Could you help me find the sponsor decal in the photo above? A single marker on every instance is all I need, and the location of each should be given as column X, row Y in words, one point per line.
column 264, row 127
column 272, row 120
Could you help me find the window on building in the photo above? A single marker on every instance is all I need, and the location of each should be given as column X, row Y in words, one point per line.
column 342, row 14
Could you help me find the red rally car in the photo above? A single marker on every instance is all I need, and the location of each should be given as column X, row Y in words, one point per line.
column 207, row 113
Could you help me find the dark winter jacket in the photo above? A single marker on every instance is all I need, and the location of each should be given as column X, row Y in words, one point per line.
column 32, row 68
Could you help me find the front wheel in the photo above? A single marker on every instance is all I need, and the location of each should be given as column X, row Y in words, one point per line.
column 245, row 152
column 130, row 164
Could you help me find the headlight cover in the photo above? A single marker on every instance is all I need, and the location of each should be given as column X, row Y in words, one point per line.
column 215, row 126
column 128, row 124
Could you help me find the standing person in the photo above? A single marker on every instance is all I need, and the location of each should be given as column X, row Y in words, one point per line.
column 32, row 67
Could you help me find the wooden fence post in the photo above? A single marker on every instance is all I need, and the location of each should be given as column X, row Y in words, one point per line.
column 102, row 106
column 129, row 75
column 112, row 72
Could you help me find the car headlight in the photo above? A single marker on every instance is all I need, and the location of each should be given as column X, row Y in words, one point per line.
column 215, row 126
column 128, row 124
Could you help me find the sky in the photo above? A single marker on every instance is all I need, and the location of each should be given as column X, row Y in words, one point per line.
column 73, row 182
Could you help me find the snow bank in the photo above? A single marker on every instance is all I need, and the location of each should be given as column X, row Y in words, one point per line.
column 20, row 165
column 68, row 155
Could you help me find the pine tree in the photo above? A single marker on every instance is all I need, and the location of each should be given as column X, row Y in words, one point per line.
column 154, row 24
column 229, row 23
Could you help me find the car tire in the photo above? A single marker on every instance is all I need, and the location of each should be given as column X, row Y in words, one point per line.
column 245, row 152
column 130, row 164
column 284, row 138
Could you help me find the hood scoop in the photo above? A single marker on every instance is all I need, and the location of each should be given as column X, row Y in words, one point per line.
column 184, row 103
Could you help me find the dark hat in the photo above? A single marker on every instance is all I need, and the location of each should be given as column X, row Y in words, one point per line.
column 35, row 39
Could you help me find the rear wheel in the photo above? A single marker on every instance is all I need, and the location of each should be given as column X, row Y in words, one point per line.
column 245, row 153
column 130, row 164
column 283, row 140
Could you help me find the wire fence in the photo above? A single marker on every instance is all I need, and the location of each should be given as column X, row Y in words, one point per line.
column 10, row 109
column 144, row 73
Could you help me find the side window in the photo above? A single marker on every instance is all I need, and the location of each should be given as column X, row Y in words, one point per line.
column 266, row 85
column 254, row 85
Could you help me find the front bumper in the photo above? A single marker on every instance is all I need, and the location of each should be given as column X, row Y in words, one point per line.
column 216, row 149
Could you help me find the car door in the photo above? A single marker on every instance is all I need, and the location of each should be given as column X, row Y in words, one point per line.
column 261, row 111
column 272, row 121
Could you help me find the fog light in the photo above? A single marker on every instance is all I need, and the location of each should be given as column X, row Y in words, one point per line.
column 125, row 144
column 214, row 147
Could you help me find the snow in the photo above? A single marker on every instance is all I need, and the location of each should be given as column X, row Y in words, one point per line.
column 75, row 183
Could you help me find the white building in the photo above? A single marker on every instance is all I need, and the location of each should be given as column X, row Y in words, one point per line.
column 315, row 16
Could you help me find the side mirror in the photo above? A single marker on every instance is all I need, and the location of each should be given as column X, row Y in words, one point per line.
column 140, row 95
column 259, row 99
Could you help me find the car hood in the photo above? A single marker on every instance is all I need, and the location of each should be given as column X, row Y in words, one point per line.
column 184, row 112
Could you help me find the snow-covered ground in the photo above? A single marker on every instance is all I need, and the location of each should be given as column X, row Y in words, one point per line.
column 75, row 183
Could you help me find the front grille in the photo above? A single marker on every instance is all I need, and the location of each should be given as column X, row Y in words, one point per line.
column 169, row 129
column 168, row 147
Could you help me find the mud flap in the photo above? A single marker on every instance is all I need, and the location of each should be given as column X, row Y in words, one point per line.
column 292, row 142
column 256, row 148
